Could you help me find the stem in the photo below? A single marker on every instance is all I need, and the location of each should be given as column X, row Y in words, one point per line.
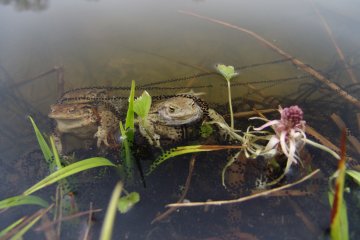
column 230, row 105
column 322, row 147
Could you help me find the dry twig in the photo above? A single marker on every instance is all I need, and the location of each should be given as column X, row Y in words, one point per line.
column 294, row 60
column 182, row 197
column 244, row 199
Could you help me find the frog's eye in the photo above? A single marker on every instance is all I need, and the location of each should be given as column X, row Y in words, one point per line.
column 171, row 109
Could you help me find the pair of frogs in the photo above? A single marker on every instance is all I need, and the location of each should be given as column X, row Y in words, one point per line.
column 92, row 113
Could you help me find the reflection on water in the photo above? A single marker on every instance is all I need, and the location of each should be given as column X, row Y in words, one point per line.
column 113, row 42
column 27, row 5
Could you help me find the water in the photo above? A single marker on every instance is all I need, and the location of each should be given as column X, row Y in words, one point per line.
column 113, row 42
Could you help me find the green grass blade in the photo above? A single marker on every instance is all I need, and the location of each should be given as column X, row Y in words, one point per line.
column 22, row 200
column 55, row 153
column 129, row 122
column 128, row 163
column 68, row 171
column 11, row 226
column 106, row 231
column 355, row 175
column 173, row 152
column 43, row 145
column 22, row 231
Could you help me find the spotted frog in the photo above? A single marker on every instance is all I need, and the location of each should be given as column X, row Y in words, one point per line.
column 170, row 120
column 83, row 120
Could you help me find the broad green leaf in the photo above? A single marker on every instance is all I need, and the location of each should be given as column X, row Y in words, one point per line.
column 127, row 202
column 68, row 171
column 228, row 72
column 129, row 122
column 185, row 150
column 142, row 105
column 43, row 145
column 106, row 230
column 11, row 226
column 22, row 200
column 355, row 175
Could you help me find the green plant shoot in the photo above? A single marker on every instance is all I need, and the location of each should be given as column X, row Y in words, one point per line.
column 22, row 200
column 228, row 72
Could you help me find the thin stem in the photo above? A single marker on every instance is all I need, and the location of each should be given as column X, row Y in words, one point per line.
column 230, row 105
column 322, row 147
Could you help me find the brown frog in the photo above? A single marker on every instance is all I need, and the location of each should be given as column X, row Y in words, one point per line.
column 83, row 120
column 170, row 119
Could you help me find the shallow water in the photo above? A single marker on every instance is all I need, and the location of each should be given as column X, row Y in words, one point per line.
column 110, row 43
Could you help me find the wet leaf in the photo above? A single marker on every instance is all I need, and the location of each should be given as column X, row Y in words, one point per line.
column 127, row 202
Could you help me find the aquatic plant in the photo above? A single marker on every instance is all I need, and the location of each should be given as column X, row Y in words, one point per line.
column 289, row 134
column 289, row 137
column 228, row 72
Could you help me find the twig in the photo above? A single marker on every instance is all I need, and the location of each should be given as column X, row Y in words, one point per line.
column 67, row 218
column 24, row 223
column 314, row 229
column 251, row 113
column 87, row 230
column 41, row 75
column 183, row 195
column 294, row 60
column 243, row 199
column 338, row 49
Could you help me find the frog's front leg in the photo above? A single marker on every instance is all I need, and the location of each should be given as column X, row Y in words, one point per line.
column 108, row 125
column 57, row 141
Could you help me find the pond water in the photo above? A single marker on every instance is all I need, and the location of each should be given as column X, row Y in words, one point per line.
column 164, row 45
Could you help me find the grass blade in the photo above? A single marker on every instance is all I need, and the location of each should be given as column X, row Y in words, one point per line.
column 355, row 175
column 23, row 200
column 11, row 226
column 45, row 149
column 173, row 152
column 68, row 171
column 106, row 231
column 129, row 123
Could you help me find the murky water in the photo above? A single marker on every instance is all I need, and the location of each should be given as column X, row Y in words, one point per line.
column 110, row 43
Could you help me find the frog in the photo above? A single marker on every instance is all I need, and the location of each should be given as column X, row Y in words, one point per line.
column 170, row 120
column 83, row 120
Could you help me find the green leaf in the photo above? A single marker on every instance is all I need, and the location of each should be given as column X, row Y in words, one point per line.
column 55, row 153
column 173, row 152
column 11, row 226
column 129, row 122
column 142, row 105
column 106, row 230
column 43, row 145
column 127, row 202
column 22, row 200
column 355, row 175
column 22, row 231
column 228, row 72
column 68, row 171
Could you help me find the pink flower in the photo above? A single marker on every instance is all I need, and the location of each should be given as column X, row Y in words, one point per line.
column 289, row 134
